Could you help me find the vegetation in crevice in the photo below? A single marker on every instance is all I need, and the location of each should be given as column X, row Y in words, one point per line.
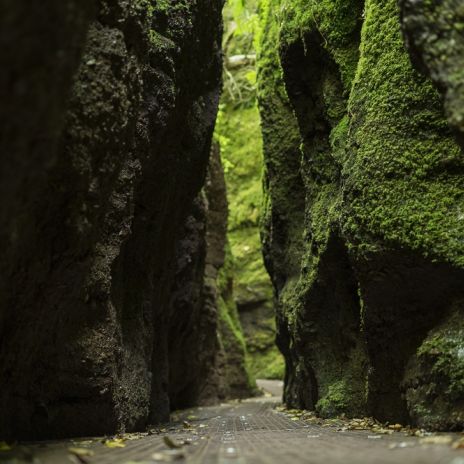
column 238, row 131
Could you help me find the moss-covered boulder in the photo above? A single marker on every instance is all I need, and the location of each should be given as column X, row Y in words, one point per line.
column 377, row 189
column 434, row 382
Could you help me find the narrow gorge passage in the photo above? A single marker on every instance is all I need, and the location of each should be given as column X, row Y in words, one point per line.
column 232, row 231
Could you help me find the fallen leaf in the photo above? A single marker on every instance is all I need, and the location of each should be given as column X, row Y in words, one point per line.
column 4, row 446
column 171, row 443
column 436, row 440
column 116, row 443
column 458, row 444
column 395, row 427
column 81, row 451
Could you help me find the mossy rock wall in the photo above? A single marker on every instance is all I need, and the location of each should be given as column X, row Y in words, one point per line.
column 107, row 114
column 363, row 231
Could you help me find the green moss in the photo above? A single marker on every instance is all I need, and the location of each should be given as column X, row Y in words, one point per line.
column 445, row 351
column 434, row 380
column 333, row 23
column 378, row 170
column 398, row 187
column 335, row 402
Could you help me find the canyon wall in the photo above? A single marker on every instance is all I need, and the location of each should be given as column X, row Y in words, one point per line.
column 107, row 114
column 364, row 198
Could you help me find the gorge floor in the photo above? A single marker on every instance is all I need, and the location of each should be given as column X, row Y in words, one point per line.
column 254, row 431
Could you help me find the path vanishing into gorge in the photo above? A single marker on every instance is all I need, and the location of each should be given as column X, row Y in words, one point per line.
column 254, row 431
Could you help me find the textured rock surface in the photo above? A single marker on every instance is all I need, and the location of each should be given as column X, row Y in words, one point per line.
column 100, row 164
column 207, row 351
column 363, row 236
column 219, row 286
column 435, row 39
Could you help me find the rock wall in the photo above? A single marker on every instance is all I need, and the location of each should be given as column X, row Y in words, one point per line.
column 107, row 113
column 363, row 230
column 207, row 351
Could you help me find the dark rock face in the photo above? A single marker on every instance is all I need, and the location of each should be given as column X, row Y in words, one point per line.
column 231, row 365
column 107, row 115
column 202, row 370
column 363, row 229
column 433, row 32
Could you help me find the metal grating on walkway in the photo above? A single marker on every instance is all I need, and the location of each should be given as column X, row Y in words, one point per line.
column 253, row 432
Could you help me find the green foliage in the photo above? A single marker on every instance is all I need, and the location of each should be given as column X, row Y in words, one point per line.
column 434, row 381
column 239, row 134
column 268, row 364
column 241, row 21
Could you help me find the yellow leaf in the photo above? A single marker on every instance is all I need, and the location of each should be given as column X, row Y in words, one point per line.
column 116, row 443
column 81, row 451
column 4, row 446
column 437, row 440
column 173, row 444
column 458, row 444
